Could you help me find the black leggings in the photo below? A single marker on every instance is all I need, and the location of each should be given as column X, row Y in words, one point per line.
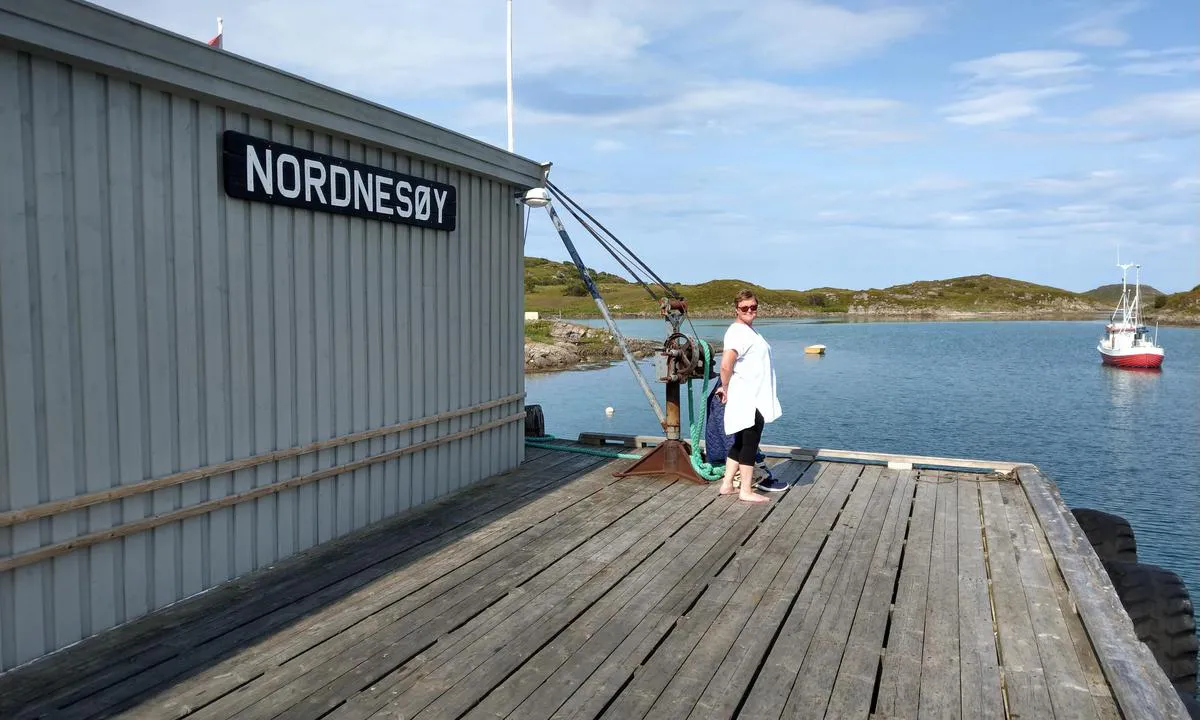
column 746, row 440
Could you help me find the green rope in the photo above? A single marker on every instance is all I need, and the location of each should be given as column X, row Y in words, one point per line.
column 539, row 442
column 703, row 469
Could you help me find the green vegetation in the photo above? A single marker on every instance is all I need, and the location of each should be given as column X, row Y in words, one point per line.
column 554, row 288
column 1111, row 294
column 1182, row 303
column 976, row 293
column 538, row 331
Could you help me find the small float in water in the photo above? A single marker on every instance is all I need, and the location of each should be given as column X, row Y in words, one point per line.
column 814, row 350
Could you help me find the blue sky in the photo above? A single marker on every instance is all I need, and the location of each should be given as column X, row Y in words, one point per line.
column 799, row 144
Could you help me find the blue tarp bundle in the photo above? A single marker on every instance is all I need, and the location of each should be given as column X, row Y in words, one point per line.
column 716, row 442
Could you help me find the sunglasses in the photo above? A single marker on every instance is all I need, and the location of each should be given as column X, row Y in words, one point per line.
column 748, row 308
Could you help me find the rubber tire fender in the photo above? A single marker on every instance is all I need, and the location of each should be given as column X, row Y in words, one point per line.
column 535, row 421
column 1110, row 535
column 1163, row 617
column 1191, row 704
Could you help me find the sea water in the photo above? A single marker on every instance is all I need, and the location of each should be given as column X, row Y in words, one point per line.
column 1122, row 441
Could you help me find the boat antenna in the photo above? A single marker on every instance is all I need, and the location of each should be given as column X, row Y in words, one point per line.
column 1137, row 296
column 1123, row 308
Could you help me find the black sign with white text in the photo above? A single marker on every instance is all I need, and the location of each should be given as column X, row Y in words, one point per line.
column 266, row 171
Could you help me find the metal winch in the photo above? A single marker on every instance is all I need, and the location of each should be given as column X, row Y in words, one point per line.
column 680, row 360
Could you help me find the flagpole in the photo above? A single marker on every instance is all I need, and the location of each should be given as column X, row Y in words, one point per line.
column 510, row 79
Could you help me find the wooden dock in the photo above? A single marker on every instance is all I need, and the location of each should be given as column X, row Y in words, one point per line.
column 560, row 591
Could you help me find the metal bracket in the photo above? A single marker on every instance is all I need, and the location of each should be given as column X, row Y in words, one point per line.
column 672, row 457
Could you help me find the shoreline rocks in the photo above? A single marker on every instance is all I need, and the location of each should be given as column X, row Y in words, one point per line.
column 575, row 345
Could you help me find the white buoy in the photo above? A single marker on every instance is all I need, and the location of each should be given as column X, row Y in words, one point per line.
column 608, row 411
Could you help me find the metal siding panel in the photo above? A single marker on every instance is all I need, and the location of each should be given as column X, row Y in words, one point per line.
column 326, row 367
column 95, row 331
column 304, row 351
column 123, row 183
column 388, row 354
column 215, row 328
column 55, row 418
column 457, row 325
column 492, row 287
column 418, row 341
column 357, row 385
column 406, row 339
column 518, row 355
column 432, row 335
column 374, row 342
column 192, row 557
column 284, row 355
column 12, row 224
column 512, row 310
column 26, row 639
column 158, row 306
column 504, row 327
column 443, row 322
column 478, row 326
column 157, row 309
column 262, row 345
column 343, row 372
column 241, row 368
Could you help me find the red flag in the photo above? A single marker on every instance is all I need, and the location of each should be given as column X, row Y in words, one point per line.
column 218, row 39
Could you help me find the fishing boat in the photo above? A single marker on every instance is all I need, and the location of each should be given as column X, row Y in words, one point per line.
column 1127, row 341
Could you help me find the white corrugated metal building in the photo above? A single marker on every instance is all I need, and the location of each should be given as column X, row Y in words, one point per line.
column 216, row 352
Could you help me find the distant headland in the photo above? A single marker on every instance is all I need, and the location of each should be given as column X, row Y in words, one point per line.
column 554, row 289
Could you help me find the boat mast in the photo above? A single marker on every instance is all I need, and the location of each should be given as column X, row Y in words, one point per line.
column 1137, row 296
column 1123, row 307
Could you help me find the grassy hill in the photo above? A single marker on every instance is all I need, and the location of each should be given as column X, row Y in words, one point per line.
column 1178, row 308
column 555, row 288
column 1110, row 294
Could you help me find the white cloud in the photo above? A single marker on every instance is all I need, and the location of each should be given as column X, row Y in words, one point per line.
column 1166, row 62
column 1075, row 203
column 1023, row 66
column 1166, row 111
column 1073, row 185
column 1003, row 104
column 1011, row 86
column 1102, row 28
column 924, row 186
column 736, row 107
column 604, row 145
column 809, row 35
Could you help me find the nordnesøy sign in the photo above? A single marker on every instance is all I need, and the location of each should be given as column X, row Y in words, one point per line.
column 266, row 171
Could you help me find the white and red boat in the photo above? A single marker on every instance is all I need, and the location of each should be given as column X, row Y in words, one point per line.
column 1127, row 342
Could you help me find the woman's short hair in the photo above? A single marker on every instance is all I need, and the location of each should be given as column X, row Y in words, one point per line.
column 743, row 295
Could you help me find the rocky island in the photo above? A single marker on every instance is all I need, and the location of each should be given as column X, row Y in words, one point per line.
column 558, row 345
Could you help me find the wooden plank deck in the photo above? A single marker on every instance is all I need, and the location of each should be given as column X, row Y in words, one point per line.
column 559, row 591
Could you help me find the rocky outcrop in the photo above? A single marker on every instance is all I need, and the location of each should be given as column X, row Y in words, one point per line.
column 573, row 345
column 1045, row 308
column 578, row 345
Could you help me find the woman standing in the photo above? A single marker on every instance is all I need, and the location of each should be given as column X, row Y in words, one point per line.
column 748, row 392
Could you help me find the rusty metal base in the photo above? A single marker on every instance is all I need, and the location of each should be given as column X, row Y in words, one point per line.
column 672, row 457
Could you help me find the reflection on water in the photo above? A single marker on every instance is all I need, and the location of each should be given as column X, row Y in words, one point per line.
column 1130, row 390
